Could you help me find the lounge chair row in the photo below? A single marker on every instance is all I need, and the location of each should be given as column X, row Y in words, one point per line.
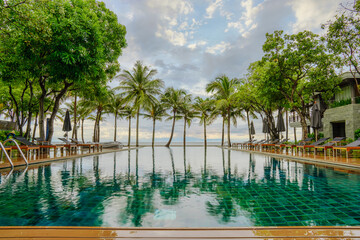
column 322, row 145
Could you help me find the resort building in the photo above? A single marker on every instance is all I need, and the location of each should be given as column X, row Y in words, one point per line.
column 341, row 115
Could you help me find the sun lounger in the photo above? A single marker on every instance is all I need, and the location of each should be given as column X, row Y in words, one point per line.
column 69, row 145
column 253, row 145
column 280, row 145
column 312, row 145
column 271, row 143
column 348, row 148
column 89, row 144
column 329, row 145
column 29, row 146
column 306, row 141
column 240, row 144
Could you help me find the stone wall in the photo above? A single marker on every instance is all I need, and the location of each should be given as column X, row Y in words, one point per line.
column 350, row 114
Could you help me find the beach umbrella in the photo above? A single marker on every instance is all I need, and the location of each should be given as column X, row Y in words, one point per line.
column 315, row 120
column 252, row 129
column 280, row 125
column 67, row 122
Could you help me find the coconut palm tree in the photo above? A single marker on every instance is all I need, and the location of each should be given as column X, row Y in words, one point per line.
column 205, row 107
column 188, row 113
column 173, row 99
column 129, row 113
column 224, row 90
column 140, row 88
column 155, row 112
column 116, row 106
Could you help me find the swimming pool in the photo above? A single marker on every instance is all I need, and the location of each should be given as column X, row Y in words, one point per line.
column 173, row 187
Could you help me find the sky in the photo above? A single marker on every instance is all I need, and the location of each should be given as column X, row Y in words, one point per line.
column 190, row 43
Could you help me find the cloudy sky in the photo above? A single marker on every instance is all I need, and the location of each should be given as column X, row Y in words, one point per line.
column 192, row 42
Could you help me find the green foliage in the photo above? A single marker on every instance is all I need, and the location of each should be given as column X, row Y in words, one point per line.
column 340, row 103
column 357, row 133
column 312, row 135
column 4, row 134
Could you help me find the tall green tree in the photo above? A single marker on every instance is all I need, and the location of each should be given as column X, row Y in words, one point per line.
column 140, row 88
column 156, row 113
column 61, row 44
column 188, row 114
column 116, row 107
column 129, row 113
column 204, row 107
column 224, row 90
column 173, row 99
column 343, row 39
column 300, row 66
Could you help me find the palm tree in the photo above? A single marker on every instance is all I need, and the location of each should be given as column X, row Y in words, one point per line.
column 115, row 107
column 83, row 113
column 140, row 89
column 187, row 112
column 172, row 99
column 205, row 107
column 155, row 112
column 129, row 113
column 224, row 90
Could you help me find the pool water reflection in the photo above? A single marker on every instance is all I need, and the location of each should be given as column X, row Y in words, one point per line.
column 177, row 187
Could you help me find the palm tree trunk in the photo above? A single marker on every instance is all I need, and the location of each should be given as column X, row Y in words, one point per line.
column 229, row 143
column 184, row 131
column 205, row 141
column 153, row 135
column 223, row 132
column 137, row 126
column 74, row 133
column 98, row 139
column 82, row 130
column 172, row 130
column 115, row 127
column 248, row 122
column 129, row 135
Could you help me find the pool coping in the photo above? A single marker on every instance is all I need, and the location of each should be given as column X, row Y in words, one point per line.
column 337, row 165
column 18, row 164
column 38, row 232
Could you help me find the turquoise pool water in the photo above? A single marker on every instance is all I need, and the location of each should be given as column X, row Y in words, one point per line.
column 176, row 188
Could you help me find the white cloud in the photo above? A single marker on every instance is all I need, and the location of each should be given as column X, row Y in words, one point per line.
column 210, row 10
column 246, row 22
column 196, row 44
column 176, row 38
column 218, row 48
column 311, row 14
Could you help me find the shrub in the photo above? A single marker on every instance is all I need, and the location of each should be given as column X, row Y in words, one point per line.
column 357, row 133
column 312, row 135
column 340, row 103
column 4, row 134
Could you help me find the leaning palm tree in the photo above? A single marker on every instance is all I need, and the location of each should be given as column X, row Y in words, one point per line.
column 188, row 113
column 205, row 107
column 155, row 112
column 116, row 106
column 140, row 88
column 172, row 99
column 224, row 90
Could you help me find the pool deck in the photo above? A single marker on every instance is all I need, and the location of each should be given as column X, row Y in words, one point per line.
column 339, row 163
column 180, row 233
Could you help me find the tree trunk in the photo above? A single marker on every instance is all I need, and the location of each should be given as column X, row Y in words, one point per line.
column 153, row 134
column 35, row 125
column 98, row 127
column 82, row 130
column 172, row 130
column 137, row 127
column 304, row 127
column 223, row 132
column 295, row 134
column 184, row 132
column 229, row 115
column 55, row 110
column 115, row 127
column 28, row 127
column 248, row 122
column 74, row 133
column 129, row 136
column 287, row 125
column 205, row 141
